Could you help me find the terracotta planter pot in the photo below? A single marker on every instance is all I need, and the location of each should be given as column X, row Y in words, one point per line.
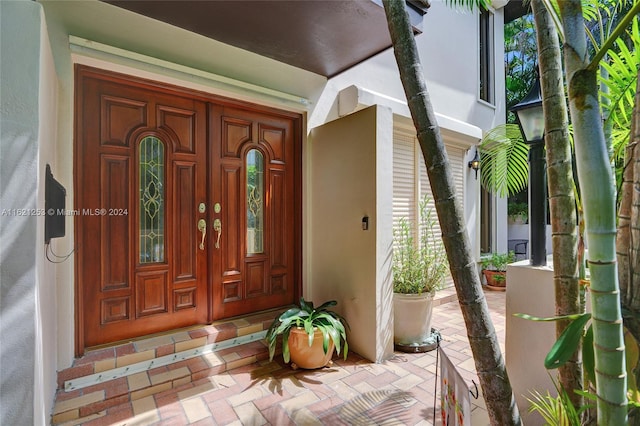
column 412, row 318
column 493, row 280
column 305, row 356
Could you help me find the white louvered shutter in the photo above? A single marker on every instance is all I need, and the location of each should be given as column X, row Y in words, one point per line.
column 411, row 184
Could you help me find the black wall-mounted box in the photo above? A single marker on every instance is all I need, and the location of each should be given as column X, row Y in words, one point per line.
column 54, row 206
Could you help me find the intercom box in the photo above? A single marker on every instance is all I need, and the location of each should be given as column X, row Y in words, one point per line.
column 54, row 206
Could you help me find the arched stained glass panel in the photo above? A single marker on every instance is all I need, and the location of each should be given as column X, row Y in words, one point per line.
column 255, row 202
column 152, row 202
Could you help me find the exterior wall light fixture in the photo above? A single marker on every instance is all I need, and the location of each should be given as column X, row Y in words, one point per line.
column 475, row 163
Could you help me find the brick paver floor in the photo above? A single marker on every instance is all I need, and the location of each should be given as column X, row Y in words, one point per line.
column 399, row 391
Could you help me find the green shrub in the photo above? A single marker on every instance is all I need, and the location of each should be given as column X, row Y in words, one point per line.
column 418, row 266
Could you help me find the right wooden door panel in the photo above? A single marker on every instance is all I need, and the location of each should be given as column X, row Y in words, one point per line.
column 254, row 265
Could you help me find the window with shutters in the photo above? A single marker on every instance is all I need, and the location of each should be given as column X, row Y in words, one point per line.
column 410, row 180
column 487, row 73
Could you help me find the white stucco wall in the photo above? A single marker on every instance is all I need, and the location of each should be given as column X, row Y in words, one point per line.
column 448, row 48
column 449, row 51
column 350, row 176
column 46, row 299
column 27, row 292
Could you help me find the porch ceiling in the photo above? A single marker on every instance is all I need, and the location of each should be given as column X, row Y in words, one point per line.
column 324, row 37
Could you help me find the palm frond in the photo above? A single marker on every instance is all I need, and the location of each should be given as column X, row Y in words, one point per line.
column 620, row 79
column 504, row 163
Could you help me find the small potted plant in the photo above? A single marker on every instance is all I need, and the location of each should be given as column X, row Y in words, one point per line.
column 309, row 335
column 494, row 269
column 518, row 213
column 419, row 267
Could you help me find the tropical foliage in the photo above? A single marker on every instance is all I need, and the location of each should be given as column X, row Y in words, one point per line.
column 594, row 171
column 611, row 28
column 520, row 58
column 618, row 75
column 592, row 152
column 556, row 410
column 330, row 323
column 620, row 79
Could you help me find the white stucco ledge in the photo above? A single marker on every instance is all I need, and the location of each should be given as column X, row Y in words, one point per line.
column 88, row 48
column 530, row 290
column 354, row 98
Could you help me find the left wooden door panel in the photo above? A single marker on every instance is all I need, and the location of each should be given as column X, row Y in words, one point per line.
column 140, row 176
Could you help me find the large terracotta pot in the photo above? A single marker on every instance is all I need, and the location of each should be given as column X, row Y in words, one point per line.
column 412, row 318
column 305, row 356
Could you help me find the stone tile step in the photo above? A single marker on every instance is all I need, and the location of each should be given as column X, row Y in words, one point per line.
column 446, row 295
column 107, row 377
column 123, row 354
column 94, row 401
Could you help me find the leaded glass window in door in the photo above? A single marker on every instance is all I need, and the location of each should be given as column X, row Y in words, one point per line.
column 255, row 201
column 152, row 200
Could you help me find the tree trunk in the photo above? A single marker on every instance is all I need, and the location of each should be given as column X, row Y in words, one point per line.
column 598, row 200
column 482, row 337
column 628, row 220
column 628, row 233
column 560, row 186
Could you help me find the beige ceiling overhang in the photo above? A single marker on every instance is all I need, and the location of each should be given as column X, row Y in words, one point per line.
column 325, row 37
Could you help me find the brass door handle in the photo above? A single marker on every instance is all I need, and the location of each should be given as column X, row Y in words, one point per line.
column 217, row 226
column 202, row 227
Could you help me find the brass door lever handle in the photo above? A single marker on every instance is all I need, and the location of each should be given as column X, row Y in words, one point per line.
column 202, row 227
column 217, row 226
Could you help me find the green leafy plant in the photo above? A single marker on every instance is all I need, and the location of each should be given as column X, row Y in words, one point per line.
column 556, row 410
column 418, row 266
column 498, row 261
column 330, row 323
column 518, row 209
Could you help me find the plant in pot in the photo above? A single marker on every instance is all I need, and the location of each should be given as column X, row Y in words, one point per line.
column 518, row 213
column 494, row 269
column 419, row 268
column 309, row 335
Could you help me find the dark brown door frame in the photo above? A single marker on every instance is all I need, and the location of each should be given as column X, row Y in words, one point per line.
column 81, row 72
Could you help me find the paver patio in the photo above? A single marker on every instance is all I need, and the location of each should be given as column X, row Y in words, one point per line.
column 399, row 391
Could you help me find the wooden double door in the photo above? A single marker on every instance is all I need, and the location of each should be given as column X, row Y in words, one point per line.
column 187, row 207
